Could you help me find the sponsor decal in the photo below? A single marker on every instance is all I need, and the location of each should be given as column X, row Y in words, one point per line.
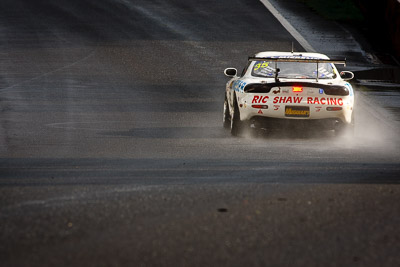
column 276, row 107
column 325, row 101
column 238, row 86
column 257, row 99
column 287, row 99
column 321, row 91
column 295, row 57
column 297, row 111
column 260, row 111
column 260, row 99
column 318, row 109
column 276, row 91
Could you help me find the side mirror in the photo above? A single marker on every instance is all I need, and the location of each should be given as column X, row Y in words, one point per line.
column 347, row 75
column 230, row 72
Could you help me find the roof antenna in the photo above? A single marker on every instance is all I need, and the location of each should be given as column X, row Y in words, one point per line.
column 292, row 47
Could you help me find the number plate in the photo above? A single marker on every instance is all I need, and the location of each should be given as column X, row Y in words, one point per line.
column 297, row 111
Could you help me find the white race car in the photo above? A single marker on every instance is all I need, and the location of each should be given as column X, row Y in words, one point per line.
column 279, row 89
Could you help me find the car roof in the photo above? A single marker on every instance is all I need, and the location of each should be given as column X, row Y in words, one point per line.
column 290, row 54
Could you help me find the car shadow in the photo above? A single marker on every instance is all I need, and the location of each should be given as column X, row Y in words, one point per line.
column 291, row 133
column 171, row 133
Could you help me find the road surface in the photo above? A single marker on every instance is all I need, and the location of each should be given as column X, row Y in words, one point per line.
column 112, row 151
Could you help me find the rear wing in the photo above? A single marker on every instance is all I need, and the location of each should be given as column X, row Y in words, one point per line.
column 299, row 59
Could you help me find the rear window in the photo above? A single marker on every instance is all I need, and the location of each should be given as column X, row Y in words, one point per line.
column 293, row 70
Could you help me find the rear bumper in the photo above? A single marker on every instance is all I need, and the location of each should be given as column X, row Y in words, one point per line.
column 289, row 107
column 316, row 113
column 309, row 124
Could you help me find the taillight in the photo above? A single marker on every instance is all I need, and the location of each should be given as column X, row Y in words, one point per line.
column 297, row 89
column 336, row 90
column 260, row 106
column 257, row 88
column 334, row 108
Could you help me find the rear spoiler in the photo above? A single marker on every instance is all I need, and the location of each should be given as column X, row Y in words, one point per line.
column 299, row 59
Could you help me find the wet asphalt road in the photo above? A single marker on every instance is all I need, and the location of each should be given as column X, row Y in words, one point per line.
column 112, row 151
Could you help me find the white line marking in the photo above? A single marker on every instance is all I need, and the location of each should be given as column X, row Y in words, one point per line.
column 299, row 38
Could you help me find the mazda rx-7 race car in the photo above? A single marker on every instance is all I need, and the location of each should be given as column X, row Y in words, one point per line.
column 285, row 89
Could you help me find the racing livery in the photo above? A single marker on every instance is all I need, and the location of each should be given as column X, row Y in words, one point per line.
column 277, row 88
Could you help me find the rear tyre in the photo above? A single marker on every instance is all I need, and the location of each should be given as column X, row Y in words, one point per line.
column 237, row 125
column 226, row 120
